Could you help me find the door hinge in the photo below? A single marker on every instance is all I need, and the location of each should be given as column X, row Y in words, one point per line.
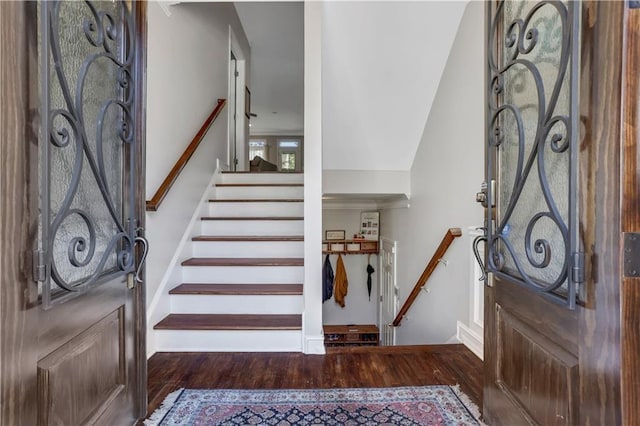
column 631, row 255
column 237, row 74
column 39, row 267
column 577, row 267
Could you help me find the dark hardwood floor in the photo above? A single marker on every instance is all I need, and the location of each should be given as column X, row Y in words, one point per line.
column 339, row 368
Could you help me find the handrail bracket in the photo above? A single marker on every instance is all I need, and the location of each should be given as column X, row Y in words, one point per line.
column 449, row 236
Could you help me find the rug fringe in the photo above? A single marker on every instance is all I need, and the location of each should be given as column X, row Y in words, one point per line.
column 157, row 416
column 471, row 406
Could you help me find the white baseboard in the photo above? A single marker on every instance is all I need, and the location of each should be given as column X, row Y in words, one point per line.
column 453, row 339
column 471, row 339
column 314, row 345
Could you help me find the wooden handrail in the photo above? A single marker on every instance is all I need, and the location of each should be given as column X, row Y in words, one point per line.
column 448, row 238
column 167, row 183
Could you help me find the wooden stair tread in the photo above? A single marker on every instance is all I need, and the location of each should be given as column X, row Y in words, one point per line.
column 252, row 218
column 231, row 261
column 259, row 185
column 238, row 289
column 248, row 238
column 262, row 200
column 229, row 322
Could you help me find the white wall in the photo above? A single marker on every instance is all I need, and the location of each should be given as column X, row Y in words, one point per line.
column 358, row 309
column 381, row 67
column 446, row 174
column 186, row 74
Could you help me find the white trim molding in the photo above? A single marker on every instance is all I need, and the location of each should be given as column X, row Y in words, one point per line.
column 470, row 339
column 314, row 345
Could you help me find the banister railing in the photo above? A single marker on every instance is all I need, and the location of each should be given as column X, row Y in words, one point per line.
column 167, row 183
column 448, row 238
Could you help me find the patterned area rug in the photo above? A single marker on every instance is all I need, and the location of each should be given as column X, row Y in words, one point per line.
column 426, row 405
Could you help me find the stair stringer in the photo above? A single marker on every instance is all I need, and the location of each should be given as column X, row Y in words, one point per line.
column 160, row 305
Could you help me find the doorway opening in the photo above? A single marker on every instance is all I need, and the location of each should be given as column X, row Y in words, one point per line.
column 238, row 122
column 233, row 116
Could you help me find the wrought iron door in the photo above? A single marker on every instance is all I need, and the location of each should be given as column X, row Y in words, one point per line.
column 88, row 155
column 532, row 147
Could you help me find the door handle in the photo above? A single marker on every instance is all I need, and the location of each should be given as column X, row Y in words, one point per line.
column 476, row 253
column 482, row 197
column 143, row 258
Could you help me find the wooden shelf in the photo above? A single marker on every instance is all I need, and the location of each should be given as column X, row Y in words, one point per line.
column 351, row 335
column 350, row 247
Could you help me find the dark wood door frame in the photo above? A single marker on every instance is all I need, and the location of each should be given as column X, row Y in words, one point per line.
column 600, row 214
column 139, row 297
column 630, row 297
column 19, row 100
column 15, row 232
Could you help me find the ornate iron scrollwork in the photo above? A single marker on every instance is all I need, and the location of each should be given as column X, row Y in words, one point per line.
column 84, row 47
column 538, row 129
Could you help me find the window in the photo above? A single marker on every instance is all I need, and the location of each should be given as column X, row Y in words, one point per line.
column 289, row 154
column 289, row 144
column 257, row 147
column 288, row 161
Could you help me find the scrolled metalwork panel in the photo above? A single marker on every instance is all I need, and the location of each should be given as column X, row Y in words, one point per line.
column 86, row 63
column 532, row 137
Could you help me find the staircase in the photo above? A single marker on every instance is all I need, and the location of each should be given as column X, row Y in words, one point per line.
column 242, row 288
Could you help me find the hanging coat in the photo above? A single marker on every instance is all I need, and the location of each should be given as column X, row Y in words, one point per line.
column 327, row 280
column 342, row 283
column 370, row 271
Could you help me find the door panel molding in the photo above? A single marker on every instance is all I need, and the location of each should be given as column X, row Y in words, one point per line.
column 551, row 320
column 531, row 365
column 81, row 379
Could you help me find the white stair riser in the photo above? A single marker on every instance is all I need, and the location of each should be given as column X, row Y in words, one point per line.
column 252, row 227
column 229, row 340
column 257, row 178
column 248, row 249
column 257, row 193
column 236, row 304
column 243, row 274
column 260, row 209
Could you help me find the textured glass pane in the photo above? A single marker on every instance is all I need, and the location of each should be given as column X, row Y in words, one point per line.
column 534, row 198
column 86, row 149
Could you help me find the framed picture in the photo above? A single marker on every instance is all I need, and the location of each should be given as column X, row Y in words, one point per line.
column 370, row 225
column 334, row 235
column 247, row 102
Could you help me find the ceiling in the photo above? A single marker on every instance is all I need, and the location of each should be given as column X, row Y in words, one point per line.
column 275, row 31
